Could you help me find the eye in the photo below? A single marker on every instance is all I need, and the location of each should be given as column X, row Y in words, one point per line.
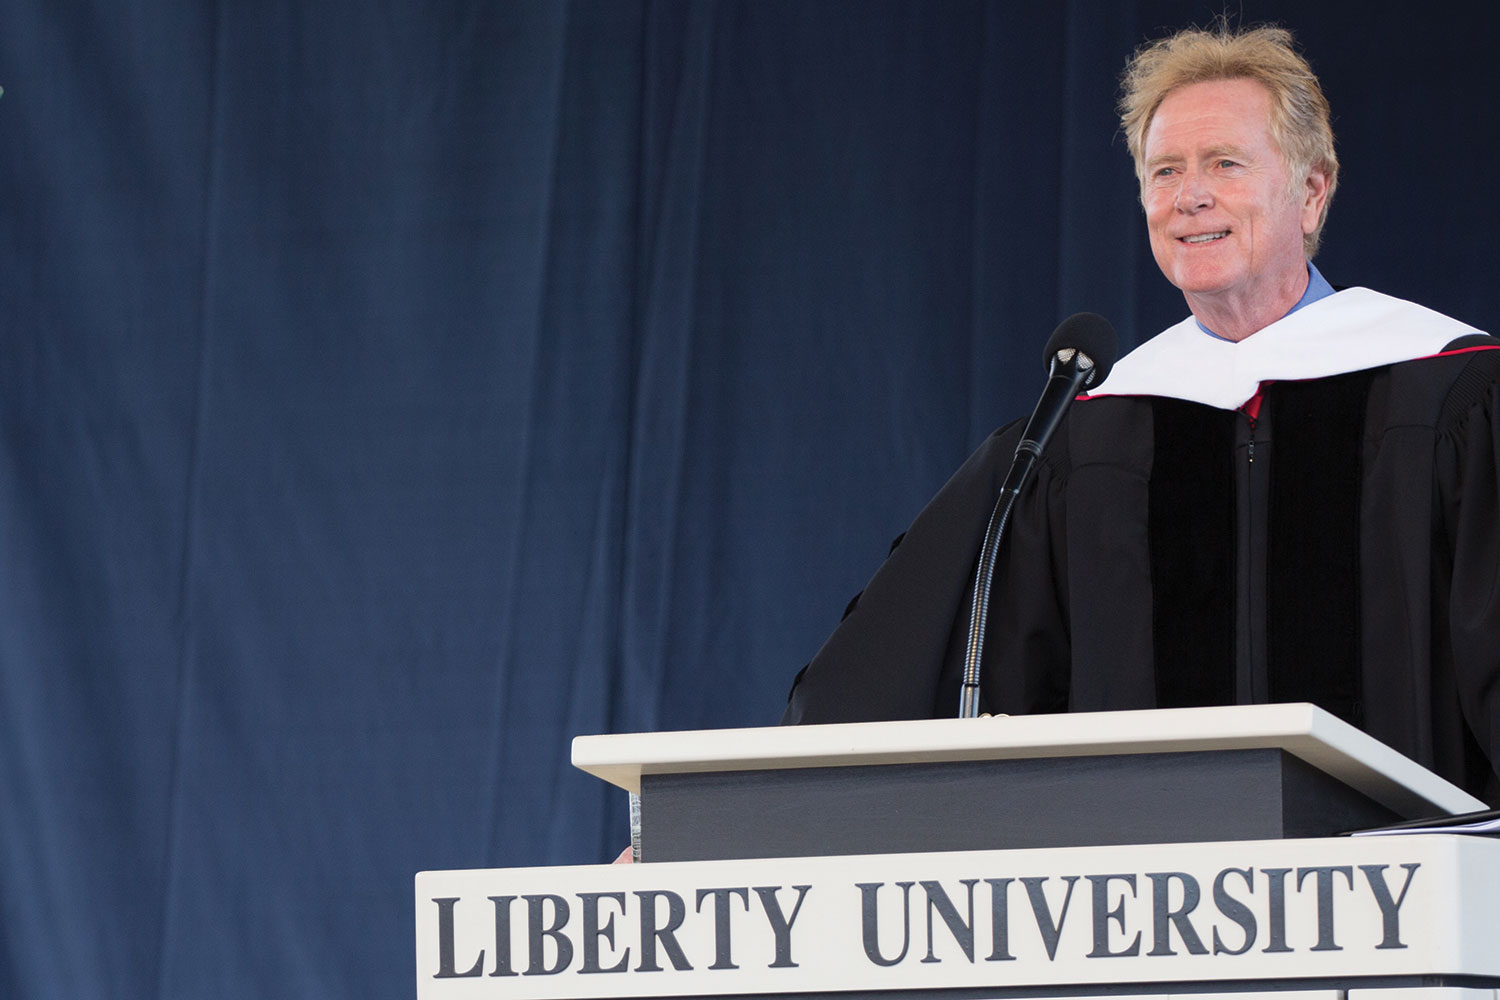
column 1226, row 164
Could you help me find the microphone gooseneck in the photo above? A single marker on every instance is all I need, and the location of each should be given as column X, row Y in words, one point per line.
column 1079, row 355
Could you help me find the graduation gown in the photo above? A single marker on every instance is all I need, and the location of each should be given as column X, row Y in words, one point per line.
column 1312, row 514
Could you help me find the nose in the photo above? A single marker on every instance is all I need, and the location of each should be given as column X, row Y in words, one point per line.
column 1193, row 194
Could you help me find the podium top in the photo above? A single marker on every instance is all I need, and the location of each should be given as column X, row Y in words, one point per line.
column 1304, row 731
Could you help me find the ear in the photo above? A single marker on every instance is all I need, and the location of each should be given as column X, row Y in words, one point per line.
column 1314, row 196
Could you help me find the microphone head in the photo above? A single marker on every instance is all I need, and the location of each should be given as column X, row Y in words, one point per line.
column 1092, row 338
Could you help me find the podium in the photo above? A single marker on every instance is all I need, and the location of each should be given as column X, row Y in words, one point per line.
column 1158, row 853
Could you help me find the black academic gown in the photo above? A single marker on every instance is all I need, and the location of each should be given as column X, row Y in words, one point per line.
column 1341, row 548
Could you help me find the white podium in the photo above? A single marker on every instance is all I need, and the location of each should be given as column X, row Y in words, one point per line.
column 1164, row 853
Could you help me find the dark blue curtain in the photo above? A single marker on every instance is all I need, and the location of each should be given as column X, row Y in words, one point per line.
column 390, row 391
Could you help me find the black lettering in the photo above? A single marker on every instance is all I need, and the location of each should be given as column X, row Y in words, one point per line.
column 870, row 921
column 539, row 935
column 1000, row 920
column 1234, row 910
column 592, row 932
column 1103, row 915
column 447, row 961
column 502, row 935
column 781, row 925
column 1325, row 900
column 651, row 933
column 1276, row 910
column 963, row 932
column 1049, row 928
column 1389, row 910
column 1164, row 919
column 722, row 957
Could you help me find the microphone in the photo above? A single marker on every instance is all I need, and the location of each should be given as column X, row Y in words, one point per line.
column 1079, row 355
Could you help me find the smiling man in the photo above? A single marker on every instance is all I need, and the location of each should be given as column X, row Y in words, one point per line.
column 1291, row 495
column 1226, row 212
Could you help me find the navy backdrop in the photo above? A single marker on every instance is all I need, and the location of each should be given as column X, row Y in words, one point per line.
column 392, row 390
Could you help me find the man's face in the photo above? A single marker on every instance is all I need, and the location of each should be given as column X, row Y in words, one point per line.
column 1226, row 225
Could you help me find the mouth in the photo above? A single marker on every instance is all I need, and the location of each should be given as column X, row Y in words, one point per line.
column 1201, row 238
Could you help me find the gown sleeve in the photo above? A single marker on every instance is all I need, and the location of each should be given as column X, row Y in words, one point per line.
column 1468, row 473
column 898, row 653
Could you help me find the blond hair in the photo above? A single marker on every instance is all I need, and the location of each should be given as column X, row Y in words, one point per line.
column 1300, row 115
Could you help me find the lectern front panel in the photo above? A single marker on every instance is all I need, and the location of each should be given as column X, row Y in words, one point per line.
column 1260, row 794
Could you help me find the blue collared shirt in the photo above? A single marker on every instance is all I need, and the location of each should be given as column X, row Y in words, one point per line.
column 1317, row 288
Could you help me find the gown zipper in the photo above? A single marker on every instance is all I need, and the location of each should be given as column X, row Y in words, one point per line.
column 1250, row 683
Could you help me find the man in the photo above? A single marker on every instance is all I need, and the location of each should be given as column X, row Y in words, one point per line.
column 1292, row 495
